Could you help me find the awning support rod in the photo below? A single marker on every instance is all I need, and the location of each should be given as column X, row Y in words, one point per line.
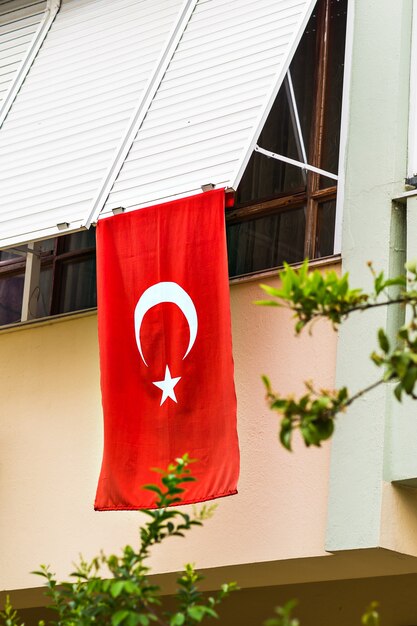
column 304, row 166
column 295, row 121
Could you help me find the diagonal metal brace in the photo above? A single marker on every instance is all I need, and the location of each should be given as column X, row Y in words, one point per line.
column 305, row 166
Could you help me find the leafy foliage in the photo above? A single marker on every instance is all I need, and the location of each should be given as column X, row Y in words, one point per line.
column 313, row 414
column 371, row 615
column 9, row 615
column 283, row 615
column 116, row 590
column 311, row 295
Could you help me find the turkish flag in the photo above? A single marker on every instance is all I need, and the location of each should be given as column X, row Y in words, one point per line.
column 165, row 351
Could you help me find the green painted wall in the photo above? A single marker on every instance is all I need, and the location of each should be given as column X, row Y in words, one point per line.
column 375, row 168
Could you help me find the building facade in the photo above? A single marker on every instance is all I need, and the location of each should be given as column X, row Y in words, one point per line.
column 305, row 112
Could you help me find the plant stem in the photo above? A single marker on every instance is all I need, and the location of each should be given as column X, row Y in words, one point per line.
column 364, row 391
column 374, row 305
column 360, row 307
column 155, row 614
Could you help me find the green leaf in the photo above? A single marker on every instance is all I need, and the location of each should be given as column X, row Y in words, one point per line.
column 343, row 394
column 379, row 283
column 135, row 618
column 278, row 404
column 399, row 363
column 196, row 612
column 117, row 588
column 403, row 332
column 377, row 359
column 383, row 341
column 177, row 620
column 266, row 382
column 266, row 303
column 131, row 588
column 154, row 488
column 398, row 392
column 371, row 616
column 271, row 291
column 299, row 326
column 325, row 429
column 398, row 280
column 285, row 438
column 409, row 379
column 290, row 605
column 118, row 617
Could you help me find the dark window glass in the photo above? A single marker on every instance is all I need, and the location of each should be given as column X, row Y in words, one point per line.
column 12, row 265
column 325, row 228
column 334, row 88
column 45, row 292
column 78, row 285
column 302, row 69
column 48, row 245
column 80, row 240
column 7, row 255
column 266, row 242
column 11, row 293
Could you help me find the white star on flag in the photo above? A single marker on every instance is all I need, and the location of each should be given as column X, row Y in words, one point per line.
column 167, row 385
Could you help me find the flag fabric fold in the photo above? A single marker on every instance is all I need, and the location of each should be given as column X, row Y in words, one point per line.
column 165, row 350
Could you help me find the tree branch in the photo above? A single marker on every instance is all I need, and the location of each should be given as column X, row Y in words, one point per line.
column 363, row 391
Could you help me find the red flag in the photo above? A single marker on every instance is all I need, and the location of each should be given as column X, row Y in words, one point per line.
column 165, row 350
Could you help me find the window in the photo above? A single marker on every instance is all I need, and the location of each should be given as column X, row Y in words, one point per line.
column 12, row 269
column 284, row 213
column 67, row 278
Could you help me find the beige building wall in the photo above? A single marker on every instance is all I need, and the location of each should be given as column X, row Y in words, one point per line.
column 51, row 441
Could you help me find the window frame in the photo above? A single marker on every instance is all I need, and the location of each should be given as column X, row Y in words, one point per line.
column 30, row 265
column 313, row 195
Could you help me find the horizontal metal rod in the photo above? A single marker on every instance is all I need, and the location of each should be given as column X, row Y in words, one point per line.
column 304, row 166
column 23, row 252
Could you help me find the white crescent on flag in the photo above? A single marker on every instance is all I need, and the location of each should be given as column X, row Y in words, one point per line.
column 158, row 294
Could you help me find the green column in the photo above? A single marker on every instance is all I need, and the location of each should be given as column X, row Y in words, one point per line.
column 375, row 168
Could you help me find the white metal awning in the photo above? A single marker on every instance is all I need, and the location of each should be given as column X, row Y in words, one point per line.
column 19, row 22
column 204, row 121
column 133, row 102
column 24, row 25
